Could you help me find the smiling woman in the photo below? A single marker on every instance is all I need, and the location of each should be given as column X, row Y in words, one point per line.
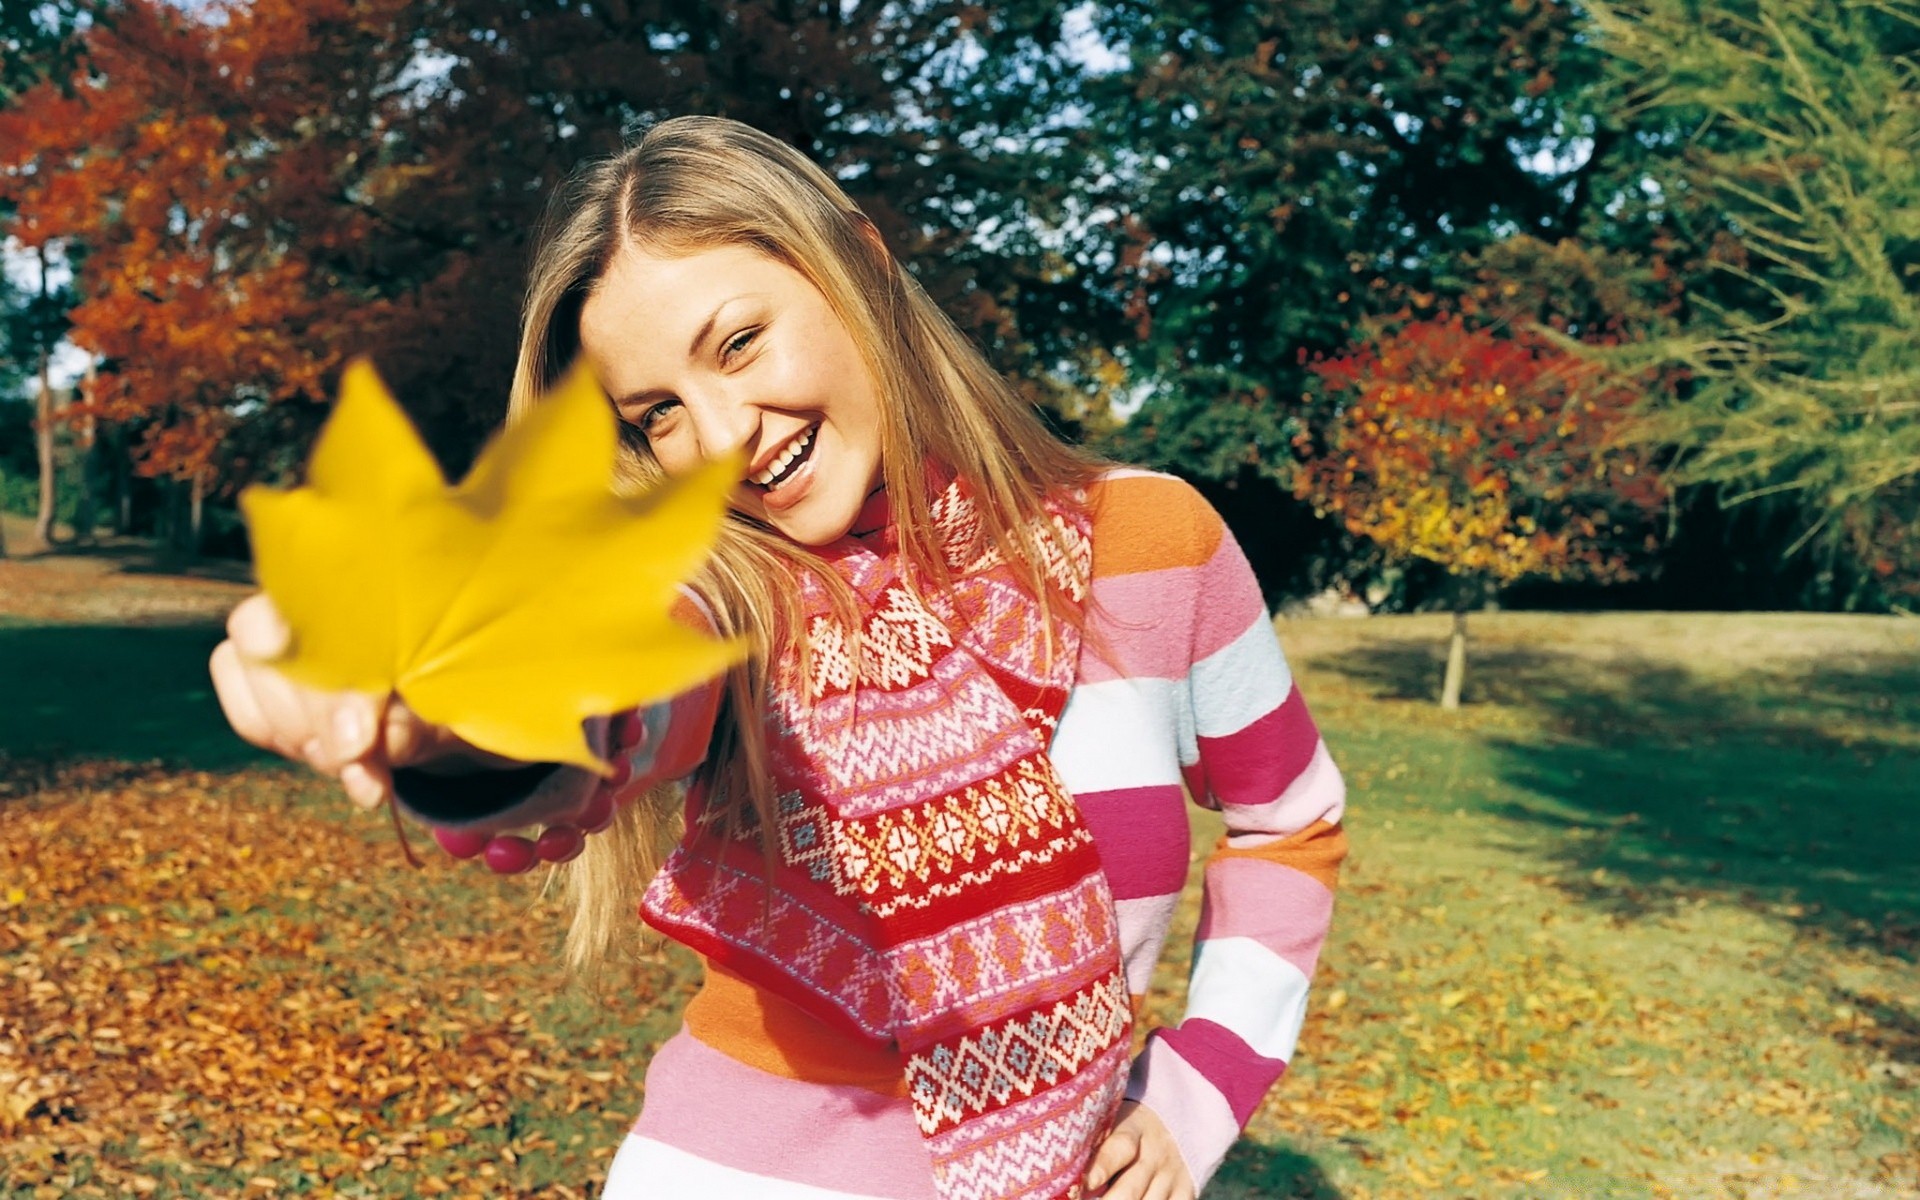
column 935, row 824
column 729, row 351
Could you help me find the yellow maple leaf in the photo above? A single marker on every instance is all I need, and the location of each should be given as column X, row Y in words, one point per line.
column 507, row 608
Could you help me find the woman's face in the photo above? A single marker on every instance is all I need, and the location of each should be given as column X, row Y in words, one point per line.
column 726, row 350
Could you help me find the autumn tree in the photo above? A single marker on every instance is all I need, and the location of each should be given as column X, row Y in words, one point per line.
column 1785, row 131
column 1488, row 451
column 271, row 186
column 1290, row 168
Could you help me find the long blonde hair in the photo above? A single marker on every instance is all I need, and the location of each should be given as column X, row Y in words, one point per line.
column 697, row 183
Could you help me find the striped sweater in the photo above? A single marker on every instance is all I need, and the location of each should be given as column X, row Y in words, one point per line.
column 1181, row 690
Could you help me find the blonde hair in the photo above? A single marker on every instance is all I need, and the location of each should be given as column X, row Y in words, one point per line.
column 697, row 183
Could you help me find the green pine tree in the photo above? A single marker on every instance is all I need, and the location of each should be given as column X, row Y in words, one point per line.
column 1786, row 134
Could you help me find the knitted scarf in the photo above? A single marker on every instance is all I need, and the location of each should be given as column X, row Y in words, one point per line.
column 936, row 888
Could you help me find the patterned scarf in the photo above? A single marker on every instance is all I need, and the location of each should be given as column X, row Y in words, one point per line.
column 936, row 888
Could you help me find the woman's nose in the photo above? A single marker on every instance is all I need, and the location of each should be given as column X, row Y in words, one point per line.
column 722, row 423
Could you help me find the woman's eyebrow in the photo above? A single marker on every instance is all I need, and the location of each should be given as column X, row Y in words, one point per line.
column 713, row 318
column 700, row 337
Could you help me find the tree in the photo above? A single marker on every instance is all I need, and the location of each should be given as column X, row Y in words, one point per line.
column 1291, row 168
column 269, row 187
column 1489, row 452
column 1786, row 132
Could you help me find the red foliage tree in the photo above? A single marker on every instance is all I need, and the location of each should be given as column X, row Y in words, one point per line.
column 1492, row 453
column 186, row 157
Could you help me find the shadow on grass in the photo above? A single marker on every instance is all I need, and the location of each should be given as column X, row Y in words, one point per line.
column 1256, row 1172
column 1796, row 792
column 126, row 693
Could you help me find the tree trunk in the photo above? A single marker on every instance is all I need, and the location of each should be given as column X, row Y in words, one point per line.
column 43, row 425
column 196, row 512
column 1456, row 661
column 87, row 457
column 122, row 480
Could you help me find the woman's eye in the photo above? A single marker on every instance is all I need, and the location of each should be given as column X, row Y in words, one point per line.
column 655, row 417
column 737, row 344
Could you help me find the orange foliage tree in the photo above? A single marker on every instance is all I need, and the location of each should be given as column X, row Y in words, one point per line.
column 1490, row 452
column 198, row 162
column 263, row 187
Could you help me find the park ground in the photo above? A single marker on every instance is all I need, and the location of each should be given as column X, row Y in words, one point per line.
column 1641, row 920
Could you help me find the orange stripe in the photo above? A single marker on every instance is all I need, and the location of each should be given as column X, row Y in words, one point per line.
column 753, row 1026
column 1315, row 851
column 685, row 611
column 1150, row 523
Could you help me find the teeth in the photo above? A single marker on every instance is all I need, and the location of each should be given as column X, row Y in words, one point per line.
column 793, row 451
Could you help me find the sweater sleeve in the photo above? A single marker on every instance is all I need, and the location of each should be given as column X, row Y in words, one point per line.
column 650, row 745
column 1253, row 753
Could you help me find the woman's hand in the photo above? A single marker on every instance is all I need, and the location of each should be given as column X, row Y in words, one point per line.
column 1139, row 1160
column 354, row 737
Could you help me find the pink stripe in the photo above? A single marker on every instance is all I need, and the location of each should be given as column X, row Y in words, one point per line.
column 701, row 1101
column 1226, row 599
column 1143, row 932
column 1228, row 1063
column 1142, row 837
column 1130, row 625
column 1193, row 1109
column 1255, row 764
column 1284, row 910
column 1316, row 794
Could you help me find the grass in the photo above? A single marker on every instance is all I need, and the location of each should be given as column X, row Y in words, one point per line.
column 1639, row 921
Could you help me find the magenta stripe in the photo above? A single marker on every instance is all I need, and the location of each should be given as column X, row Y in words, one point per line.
column 701, row 1101
column 1316, row 794
column 1242, row 1076
column 1142, row 837
column 1255, row 764
column 1284, row 910
column 1226, row 599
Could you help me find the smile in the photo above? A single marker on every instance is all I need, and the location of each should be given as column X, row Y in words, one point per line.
column 789, row 461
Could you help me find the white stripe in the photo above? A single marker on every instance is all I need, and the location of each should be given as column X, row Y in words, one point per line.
column 1241, row 985
column 1240, row 682
column 1134, row 473
column 1119, row 733
column 645, row 1169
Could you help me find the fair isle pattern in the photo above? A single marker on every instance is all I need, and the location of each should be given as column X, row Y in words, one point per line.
column 1017, row 1151
column 986, row 961
column 974, row 896
column 991, row 1067
column 923, row 846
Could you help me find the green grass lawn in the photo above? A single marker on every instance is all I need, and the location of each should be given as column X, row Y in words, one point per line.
column 1641, row 920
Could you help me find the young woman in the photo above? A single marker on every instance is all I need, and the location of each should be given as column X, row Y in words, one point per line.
column 935, row 825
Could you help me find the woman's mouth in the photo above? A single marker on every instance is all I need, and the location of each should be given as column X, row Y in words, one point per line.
column 788, row 464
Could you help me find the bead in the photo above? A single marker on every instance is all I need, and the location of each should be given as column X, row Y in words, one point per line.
column 598, row 814
column 561, row 843
column 460, row 843
column 509, row 854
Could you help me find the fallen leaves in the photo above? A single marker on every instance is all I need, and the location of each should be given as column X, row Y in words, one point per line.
column 209, row 990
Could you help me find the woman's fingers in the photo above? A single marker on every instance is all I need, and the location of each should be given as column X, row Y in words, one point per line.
column 368, row 783
column 257, row 629
column 237, row 700
column 1139, row 1160
column 1115, row 1155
